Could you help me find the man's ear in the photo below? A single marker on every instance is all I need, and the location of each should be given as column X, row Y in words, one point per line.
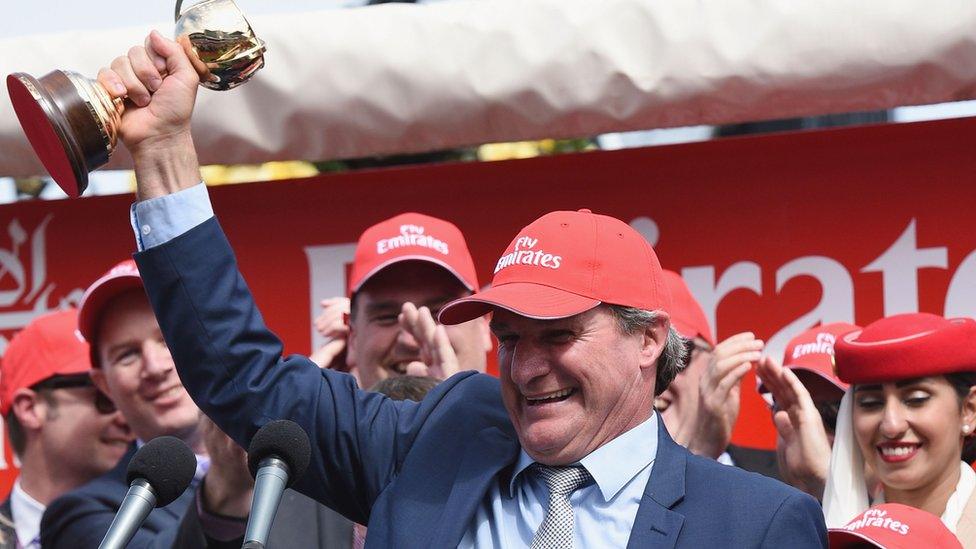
column 100, row 380
column 485, row 332
column 653, row 340
column 27, row 409
column 351, row 346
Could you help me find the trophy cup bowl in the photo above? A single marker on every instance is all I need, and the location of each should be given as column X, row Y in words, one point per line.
column 72, row 122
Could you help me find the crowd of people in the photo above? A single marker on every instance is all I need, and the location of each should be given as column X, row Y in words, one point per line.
column 609, row 425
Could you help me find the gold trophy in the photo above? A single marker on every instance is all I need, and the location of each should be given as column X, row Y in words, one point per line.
column 72, row 122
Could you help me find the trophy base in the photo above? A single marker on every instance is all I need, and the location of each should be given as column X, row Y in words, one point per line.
column 61, row 126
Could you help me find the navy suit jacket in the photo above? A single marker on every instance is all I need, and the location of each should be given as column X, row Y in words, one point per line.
column 80, row 518
column 416, row 472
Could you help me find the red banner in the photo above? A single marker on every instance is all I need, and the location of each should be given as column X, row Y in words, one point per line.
column 773, row 234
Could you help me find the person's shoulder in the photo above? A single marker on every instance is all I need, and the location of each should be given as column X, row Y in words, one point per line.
column 720, row 478
column 105, row 491
column 69, row 516
column 749, row 509
column 469, row 397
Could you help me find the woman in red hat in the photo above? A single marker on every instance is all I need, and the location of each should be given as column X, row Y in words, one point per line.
column 909, row 413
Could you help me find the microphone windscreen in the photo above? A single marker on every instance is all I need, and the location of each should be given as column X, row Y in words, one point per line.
column 285, row 440
column 167, row 464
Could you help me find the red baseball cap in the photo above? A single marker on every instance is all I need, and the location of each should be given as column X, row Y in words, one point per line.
column 119, row 279
column 50, row 345
column 894, row 526
column 811, row 357
column 687, row 316
column 412, row 236
column 906, row 346
column 565, row 263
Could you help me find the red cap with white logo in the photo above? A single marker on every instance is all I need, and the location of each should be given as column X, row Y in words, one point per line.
column 894, row 526
column 811, row 357
column 120, row 278
column 48, row 346
column 565, row 263
column 412, row 236
column 687, row 316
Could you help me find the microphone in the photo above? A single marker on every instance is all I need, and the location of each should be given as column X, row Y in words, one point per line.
column 157, row 474
column 277, row 456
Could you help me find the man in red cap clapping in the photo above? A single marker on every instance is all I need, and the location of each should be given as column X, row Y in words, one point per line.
column 64, row 431
column 405, row 269
column 701, row 405
column 805, row 395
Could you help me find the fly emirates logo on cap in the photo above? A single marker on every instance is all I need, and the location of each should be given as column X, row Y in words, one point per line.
column 824, row 344
column 878, row 518
column 412, row 235
column 526, row 253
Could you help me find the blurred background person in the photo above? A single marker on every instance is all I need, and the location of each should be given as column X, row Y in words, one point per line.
column 133, row 365
column 64, row 431
column 804, row 394
column 701, row 405
column 909, row 414
column 404, row 270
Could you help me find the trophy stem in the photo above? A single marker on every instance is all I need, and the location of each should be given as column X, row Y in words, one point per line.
column 106, row 111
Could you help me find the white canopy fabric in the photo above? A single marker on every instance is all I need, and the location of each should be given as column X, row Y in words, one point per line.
column 400, row 78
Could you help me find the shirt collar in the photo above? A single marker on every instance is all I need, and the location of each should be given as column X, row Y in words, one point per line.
column 26, row 513
column 612, row 465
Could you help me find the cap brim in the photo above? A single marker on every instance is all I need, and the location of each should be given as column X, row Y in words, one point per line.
column 839, row 539
column 522, row 298
column 814, row 372
column 804, row 371
column 91, row 308
column 393, row 261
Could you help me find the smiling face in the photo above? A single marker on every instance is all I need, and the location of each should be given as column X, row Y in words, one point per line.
column 571, row 385
column 379, row 348
column 83, row 441
column 138, row 373
column 910, row 432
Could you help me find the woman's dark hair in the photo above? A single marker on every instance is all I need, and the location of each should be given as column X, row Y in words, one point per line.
column 962, row 382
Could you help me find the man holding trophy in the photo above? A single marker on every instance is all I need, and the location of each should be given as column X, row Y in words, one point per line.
column 380, row 463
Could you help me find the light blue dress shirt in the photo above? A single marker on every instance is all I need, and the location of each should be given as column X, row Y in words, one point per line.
column 509, row 515
column 161, row 219
column 604, row 510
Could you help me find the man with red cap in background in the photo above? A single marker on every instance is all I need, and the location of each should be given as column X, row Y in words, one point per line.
column 563, row 450
column 64, row 431
column 805, row 395
column 404, row 270
column 133, row 365
column 701, row 405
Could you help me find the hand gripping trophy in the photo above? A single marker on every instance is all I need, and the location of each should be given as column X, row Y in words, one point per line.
column 72, row 122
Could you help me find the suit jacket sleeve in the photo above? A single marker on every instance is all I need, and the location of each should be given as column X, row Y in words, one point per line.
column 77, row 521
column 231, row 364
column 191, row 534
column 797, row 523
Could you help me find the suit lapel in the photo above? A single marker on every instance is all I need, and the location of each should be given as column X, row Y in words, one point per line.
column 656, row 525
column 487, row 454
